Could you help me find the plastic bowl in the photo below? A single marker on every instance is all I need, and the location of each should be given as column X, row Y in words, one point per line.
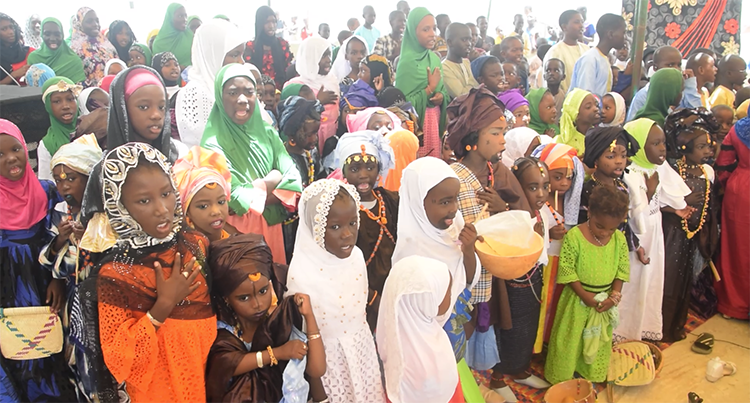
column 512, row 262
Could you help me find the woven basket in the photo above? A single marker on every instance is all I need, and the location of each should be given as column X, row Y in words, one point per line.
column 572, row 391
column 29, row 333
column 510, row 267
column 634, row 363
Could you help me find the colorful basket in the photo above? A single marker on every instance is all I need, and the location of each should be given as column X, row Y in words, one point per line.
column 633, row 363
column 29, row 333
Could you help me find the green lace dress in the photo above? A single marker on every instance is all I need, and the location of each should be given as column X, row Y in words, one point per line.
column 596, row 267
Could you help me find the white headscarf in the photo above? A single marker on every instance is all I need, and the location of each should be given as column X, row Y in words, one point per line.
column 81, row 155
column 517, row 141
column 374, row 144
column 212, row 41
column 337, row 287
column 112, row 62
column 83, row 98
column 417, row 355
column 341, row 67
column 417, row 236
column 620, row 110
column 310, row 52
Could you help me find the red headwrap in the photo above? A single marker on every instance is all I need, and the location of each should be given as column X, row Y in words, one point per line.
column 106, row 83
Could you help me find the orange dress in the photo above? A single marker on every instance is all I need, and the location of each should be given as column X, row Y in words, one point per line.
column 164, row 365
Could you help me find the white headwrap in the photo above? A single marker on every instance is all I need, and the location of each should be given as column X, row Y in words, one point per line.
column 374, row 144
column 341, row 67
column 417, row 236
column 81, row 155
column 310, row 52
column 112, row 62
column 417, row 355
column 517, row 141
column 212, row 41
column 620, row 110
column 83, row 98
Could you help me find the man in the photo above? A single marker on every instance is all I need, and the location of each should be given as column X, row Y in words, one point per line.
column 570, row 49
column 485, row 42
column 403, row 6
column 475, row 51
column 369, row 33
column 389, row 46
column 593, row 71
column 703, row 67
column 352, row 24
column 732, row 73
column 441, row 46
column 324, row 31
column 519, row 32
column 457, row 75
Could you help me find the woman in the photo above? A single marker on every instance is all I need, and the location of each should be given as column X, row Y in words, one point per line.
column 733, row 167
column 265, row 180
column 420, row 78
column 56, row 54
column 174, row 36
column 91, row 45
column 32, row 36
column 346, row 65
column 13, row 52
column 217, row 44
column 122, row 38
column 267, row 52
column 665, row 92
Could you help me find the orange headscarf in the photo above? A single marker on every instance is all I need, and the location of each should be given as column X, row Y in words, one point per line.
column 200, row 167
column 405, row 146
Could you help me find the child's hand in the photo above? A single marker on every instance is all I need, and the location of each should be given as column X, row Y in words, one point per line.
column 293, row 349
column 589, row 300
column 557, row 232
column 605, row 305
column 629, row 69
column 303, row 302
column 467, row 237
column 685, row 213
column 378, row 82
column 327, row 97
column 78, row 230
column 437, row 99
column 64, row 229
column 179, row 284
column 56, row 295
column 539, row 228
column 642, row 255
column 492, row 199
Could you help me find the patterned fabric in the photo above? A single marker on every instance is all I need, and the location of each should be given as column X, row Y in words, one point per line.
column 267, row 66
column 94, row 52
column 460, row 316
column 387, row 47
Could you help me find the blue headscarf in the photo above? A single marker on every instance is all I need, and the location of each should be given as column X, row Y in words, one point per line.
column 742, row 129
column 37, row 74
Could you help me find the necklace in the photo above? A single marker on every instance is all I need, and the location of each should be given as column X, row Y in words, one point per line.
column 381, row 220
column 617, row 181
column 490, row 175
column 554, row 214
column 310, row 167
column 682, row 168
column 592, row 234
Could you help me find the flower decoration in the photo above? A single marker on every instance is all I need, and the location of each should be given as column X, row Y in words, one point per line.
column 731, row 26
column 672, row 30
column 731, row 47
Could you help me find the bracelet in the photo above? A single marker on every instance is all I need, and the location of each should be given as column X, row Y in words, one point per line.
column 154, row 322
column 273, row 358
column 313, row 336
column 373, row 298
column 259, row 359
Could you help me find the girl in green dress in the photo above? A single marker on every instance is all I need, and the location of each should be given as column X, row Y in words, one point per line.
column 593, row 265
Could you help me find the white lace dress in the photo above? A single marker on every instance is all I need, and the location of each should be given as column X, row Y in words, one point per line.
column 193, row 106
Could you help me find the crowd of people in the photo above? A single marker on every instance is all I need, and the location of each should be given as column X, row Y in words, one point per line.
column 204, row 204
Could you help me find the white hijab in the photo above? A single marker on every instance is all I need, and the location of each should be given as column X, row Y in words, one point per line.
column 112, row 62
column 620, row 110
column 417, row 236
column 212, row 41
column 341, row 67
column 83, row 98
column 337, row 287
column 517, row 141
column 310, row 52
column 417, row 355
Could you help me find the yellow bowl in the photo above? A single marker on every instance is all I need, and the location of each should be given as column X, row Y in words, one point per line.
column 508, row 262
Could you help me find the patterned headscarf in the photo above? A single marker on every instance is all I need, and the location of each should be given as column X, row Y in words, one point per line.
column 470, row 113
column 361, row 144
column 29, row 37
column 38, row 74
column 198, row 169
column 685, row 125
column 159, row 60
column 564, row 156
column 81, row 155
column 379, row 65
column 293, row 113
column 94, row 51
column 58, row 132
column 144, row 50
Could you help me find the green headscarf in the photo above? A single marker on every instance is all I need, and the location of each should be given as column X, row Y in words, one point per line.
column 221, row 17
column 170, row 39
column 290, row 90
column 535, row 97
column 251, row 150
column 411, row 73
column 63, row 60
column 639, row 129
column 58, row 133
column 145, row 50
column 665, row 87
column 569, row 133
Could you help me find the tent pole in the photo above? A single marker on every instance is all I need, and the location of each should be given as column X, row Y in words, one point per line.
column 640, row 15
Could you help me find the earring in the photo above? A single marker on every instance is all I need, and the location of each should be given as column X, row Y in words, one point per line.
column 292, row 142
column 468, row 148
column 189, row 222
column 474, row 148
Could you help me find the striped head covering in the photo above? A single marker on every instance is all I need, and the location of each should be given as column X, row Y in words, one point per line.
column 198, row 169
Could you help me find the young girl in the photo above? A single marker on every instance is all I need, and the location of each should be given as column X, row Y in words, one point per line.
column 375, row 118
column 520, row 143
column 365, row 158
column 580, row 113
column 155, row 312
column 653, row 187
column 91, row 45
column 91, row 99
column 419, row 73
column 417, row 357
column 518, row 105
column 346, row 65
column 27, row 207
column 332, row 272
column 203, row 179
column 688, row 243
column 166, row 65
column 511, row 75
column 113, row 67
column 614, row 109
column 489, row 71
column 140, row 55
column 543, row 112
column 260, row 353
column 566, row 182
column 60, row 97
column 594, row 265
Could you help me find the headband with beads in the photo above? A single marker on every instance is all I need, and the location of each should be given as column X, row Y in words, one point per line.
column 538, row 164
column 362, row 156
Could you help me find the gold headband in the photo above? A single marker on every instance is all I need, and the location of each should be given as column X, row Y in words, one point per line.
column 62, row 86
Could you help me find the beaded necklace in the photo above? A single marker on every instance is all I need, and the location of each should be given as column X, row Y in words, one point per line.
column 81, row 252
column 310, row 167
column 381, row 220
column 617, row 181
column 681, row 167
column 554, row 214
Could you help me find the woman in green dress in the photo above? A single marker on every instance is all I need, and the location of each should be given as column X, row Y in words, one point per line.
column 593, row 265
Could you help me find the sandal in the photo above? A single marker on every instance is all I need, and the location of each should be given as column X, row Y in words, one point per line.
column 694, row 398
column 704, row 344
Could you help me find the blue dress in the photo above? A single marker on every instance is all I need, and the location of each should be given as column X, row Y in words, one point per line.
column 23, row 283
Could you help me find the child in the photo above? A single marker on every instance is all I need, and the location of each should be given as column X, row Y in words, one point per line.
column 512, row 53
column 542, row 112
column 489, row 71
column 57, row 54
column 300, row 90
column 613, row 110
column 417, row 357
column 593, row 71
column 567, row 51
column 688, row 243
column 203, row 179
column 166, row 65
column 114, row 67
column 140, row 55
column 580, row 113
column 665, row 92
column 593, row 267
column 346, row 65
column 512, row 75
column 520, row 142
column 420, row 79
column 554, row 74
column 665, row 57
column 653, row 187
column 60, row 97
column 27, row 207
column 365, row 159
column 376, row 119
column 269, row 95
column 516, row 344
column 518, row 105
column 333, row 273
column 374, row 77
column 260, row 354
column 725, row 118
column 457, row 67
column 732, row 73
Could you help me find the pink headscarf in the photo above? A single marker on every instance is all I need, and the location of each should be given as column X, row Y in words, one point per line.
column 23, row 203
column 106, row 83
column 140, row 78
column 358, row 122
